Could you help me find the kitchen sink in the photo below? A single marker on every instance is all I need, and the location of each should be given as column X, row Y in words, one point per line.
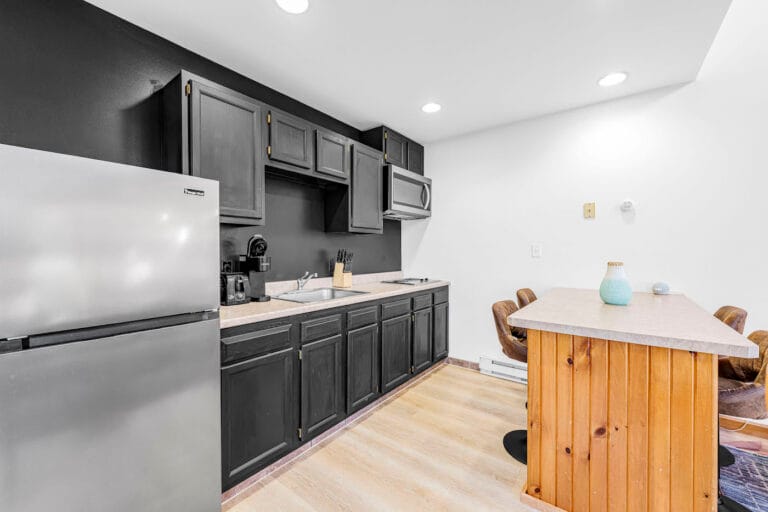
column 317, row 295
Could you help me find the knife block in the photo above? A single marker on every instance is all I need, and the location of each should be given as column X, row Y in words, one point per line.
column 341, row 279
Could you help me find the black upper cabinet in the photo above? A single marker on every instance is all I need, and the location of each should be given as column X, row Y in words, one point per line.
column 216, row 133
column 440, row 332
column 290, row 140
column 395, row 352
column 362, row 367
column 257, row 411
column 367, row 191
column 322, row 385
column 422, row 339
column 395, row 149
column 332, row 156
column 359, row 207
column 398, row 150
column 415, row 157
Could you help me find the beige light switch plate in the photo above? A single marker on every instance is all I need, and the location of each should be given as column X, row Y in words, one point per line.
column 589, row 210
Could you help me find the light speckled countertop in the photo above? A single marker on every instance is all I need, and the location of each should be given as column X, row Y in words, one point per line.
column 670, row 321
column 232, row 316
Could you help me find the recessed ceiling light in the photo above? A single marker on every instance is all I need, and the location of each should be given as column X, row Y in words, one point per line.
column 612, row 79
column 293, row 6
column 431, row 108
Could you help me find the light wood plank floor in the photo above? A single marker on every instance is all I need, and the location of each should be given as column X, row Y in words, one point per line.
column 435, row 447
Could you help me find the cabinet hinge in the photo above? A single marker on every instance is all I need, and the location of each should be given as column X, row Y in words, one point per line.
column 299, row 433
column 299, row 355
column 188, row 89
column 269, row 117
column 377, row 389
column 269, row 150
column 385, row 135
column 413, row 369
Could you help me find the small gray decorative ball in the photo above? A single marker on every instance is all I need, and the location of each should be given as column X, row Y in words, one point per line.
column 660, row 288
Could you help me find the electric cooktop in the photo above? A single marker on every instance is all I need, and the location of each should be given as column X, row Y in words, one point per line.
column 411, row 281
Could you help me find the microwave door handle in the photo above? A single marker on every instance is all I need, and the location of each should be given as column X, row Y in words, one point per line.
column 429, row 196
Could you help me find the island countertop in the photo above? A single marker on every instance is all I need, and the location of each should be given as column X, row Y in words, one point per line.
column 669, row 321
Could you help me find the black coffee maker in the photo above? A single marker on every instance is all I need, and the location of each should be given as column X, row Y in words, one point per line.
column 256, row 264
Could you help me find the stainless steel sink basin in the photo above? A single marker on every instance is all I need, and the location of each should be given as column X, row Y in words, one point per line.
column 317, row 295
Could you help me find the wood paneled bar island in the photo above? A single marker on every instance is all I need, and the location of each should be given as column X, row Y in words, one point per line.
column 622, row 402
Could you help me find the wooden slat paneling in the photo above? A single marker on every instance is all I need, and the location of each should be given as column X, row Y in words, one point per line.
column 534, row 413
column 549, row 416
column 564, row 420
column 705, row 424
column 598, row 460
column 637, row 429
column 618, row 376
column 621, row 427
column 658, row 430
column 580, row 500
column 681, row 431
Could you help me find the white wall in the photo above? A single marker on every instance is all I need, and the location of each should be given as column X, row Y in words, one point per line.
column 693, row 157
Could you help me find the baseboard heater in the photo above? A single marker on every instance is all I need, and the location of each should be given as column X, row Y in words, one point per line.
column 505, row 369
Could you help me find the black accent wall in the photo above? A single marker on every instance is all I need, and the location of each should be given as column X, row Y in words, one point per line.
column 297, row 240
column 75, row 79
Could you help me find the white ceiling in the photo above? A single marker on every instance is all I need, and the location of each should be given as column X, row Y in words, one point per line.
column 488, row 62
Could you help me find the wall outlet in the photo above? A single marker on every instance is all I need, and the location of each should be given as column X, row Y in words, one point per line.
column 589, row 210
column 536, row 250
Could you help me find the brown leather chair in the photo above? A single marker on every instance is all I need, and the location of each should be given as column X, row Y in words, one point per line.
column 734, row 398
column 514, row 347
column 732, row 316
column 525, row 296
column 741, row 382
column 512, row 339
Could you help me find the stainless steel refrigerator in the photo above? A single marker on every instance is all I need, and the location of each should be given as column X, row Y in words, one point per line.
column 109, row 337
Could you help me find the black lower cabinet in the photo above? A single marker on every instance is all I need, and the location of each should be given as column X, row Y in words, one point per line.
column 322, row 385
column 287, row 380
column 395, row 352
column 422, row 339
column 362, row 367
column 258, row 418
column 440, row 332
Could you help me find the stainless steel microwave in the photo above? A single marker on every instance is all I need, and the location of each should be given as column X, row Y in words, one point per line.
column 407, row 195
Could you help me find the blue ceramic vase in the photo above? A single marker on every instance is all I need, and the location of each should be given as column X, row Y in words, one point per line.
column 615, row 288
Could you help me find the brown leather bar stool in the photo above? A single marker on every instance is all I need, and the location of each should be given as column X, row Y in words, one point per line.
column 514, row 345
column 525, row 296
column 735, row 318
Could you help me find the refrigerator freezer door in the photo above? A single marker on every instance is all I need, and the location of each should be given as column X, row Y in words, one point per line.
column 126, row 423
column 85, row 242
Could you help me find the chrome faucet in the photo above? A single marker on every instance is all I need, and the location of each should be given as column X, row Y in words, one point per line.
column 305, row 279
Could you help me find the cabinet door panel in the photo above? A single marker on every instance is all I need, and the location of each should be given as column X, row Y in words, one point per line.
column 440, row 334
column 395, row 149
column 366, row 189
column 422, row 339
column 258, row 422
column 332, row 154
column 225, row 145
column 362, row 367
column 322, row 385
column 290, row 140
column 395, row 352
column 415, row 157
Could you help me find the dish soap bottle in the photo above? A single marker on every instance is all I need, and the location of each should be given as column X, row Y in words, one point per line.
column 615, row 288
